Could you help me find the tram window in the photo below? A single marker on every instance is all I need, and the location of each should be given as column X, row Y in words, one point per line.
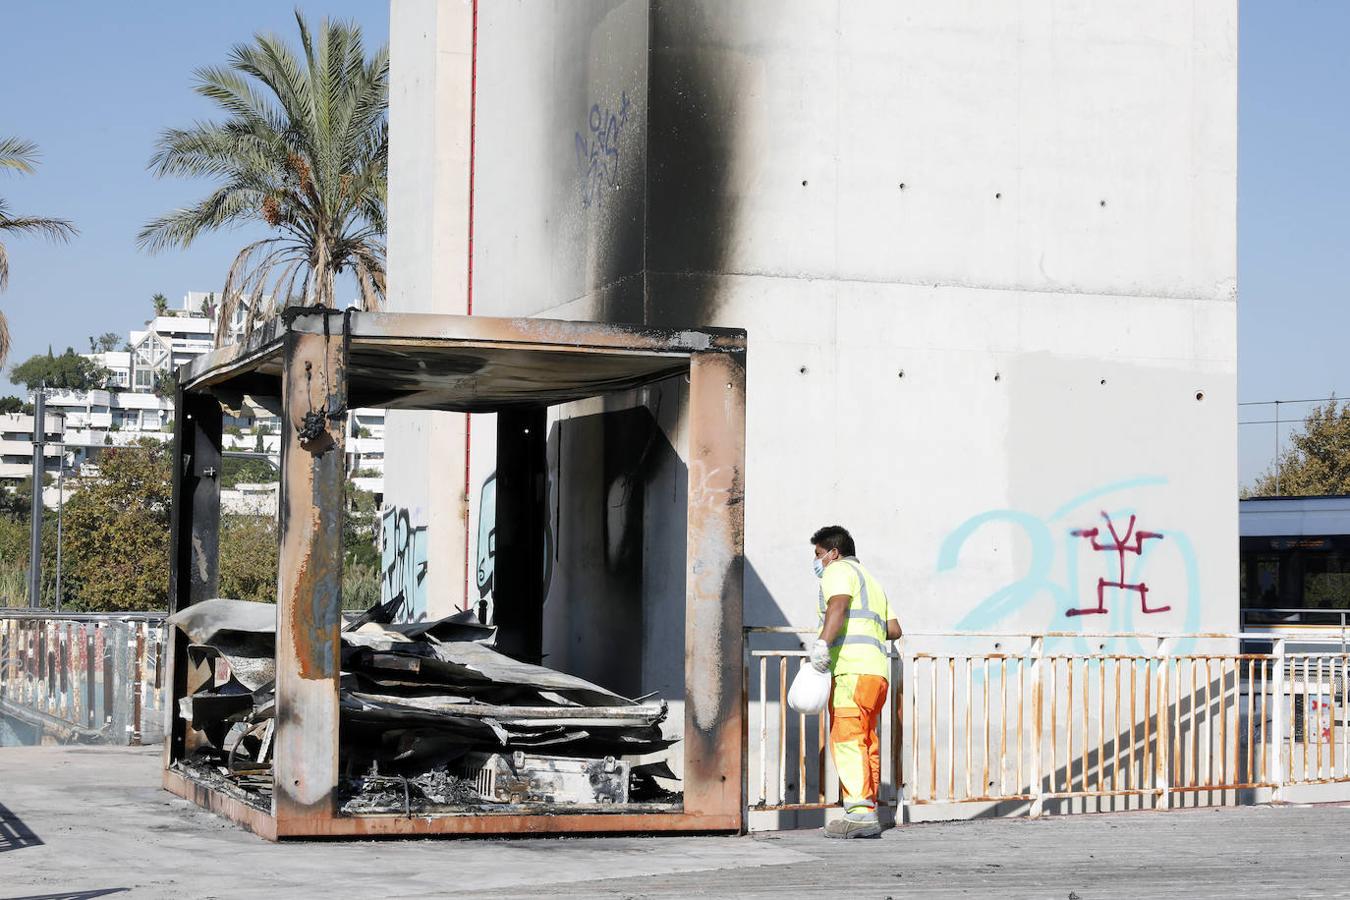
column 1261, row 581
column 1326, row 582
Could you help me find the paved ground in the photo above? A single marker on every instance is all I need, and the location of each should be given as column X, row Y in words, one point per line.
column 84, row 822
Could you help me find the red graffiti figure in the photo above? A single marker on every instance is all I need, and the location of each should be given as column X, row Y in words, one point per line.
column 1120, row 547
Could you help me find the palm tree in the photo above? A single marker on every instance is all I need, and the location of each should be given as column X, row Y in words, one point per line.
column 21, row 156
column 304, row 149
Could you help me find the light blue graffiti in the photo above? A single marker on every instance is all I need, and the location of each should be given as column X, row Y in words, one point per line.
column 487, row 548
column 1041, row 578
column 403, row 563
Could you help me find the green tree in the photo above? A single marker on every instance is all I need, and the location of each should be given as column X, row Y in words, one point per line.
column 69, row 371
column 360, row 555
column 12, row 404
column 360, row 527
column 14, row 562
column 166, row 383
column 304, row 149
column 235, row 471
column 1318, row 459
column 104, row 343
column 249, row 548
column 117, row 531
column 160, row 303
column 16, row 501
column 21, row 156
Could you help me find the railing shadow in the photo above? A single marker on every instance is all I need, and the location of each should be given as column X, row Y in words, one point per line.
column 74, row 895
column 1136, row 748
column 14, row 834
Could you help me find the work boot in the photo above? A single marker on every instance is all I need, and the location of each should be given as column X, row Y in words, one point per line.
column 854, row 825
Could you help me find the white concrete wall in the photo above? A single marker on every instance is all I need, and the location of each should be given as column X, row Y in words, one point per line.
column 1038, row 327
column 430, row 46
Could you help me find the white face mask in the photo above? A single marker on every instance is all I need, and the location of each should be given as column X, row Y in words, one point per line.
column 818, row 566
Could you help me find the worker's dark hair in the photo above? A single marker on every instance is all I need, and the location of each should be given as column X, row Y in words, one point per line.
column 835, row 537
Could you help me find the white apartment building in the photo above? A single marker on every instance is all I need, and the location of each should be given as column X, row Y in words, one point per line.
column 129, row 409
column 365, row 449
column 110, row 418
column 16, row 445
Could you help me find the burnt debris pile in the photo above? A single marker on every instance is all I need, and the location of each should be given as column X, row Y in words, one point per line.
column 432, row 718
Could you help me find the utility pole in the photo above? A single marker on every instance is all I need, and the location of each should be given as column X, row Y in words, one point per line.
column 1277, row 448
column 60, row 507
column 35, row 537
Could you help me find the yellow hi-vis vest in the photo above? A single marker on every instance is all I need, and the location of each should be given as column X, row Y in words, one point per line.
column 860, row 648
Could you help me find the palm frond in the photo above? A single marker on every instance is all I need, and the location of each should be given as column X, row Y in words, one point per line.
column 18, row 154
column 58, row 230
column 52, row 229
column 4, row 328
column 237, row 284
column 181, row 227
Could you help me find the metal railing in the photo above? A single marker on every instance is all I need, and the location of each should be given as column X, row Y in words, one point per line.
column 91, row 677
column 1063, row 718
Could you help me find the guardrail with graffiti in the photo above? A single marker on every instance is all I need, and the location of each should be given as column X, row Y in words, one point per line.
column 87, row 678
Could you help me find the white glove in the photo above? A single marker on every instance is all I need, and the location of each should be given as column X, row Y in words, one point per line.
column 820, row 656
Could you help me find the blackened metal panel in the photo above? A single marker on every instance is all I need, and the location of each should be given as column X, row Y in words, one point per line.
column 522, row 516
column 713, row 736
column 309, row 580
column 194, row 537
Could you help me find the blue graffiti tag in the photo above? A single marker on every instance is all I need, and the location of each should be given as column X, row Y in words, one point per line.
column 598, row 150
column 1040, row 577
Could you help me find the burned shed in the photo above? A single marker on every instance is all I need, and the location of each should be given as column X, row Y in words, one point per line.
column 295, row 720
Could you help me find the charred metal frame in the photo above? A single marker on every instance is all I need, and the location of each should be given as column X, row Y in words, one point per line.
column 320, row 361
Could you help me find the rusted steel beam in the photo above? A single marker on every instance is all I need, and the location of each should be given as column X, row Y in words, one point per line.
column 309, row 581
column 264, row 825
column 421, row 329
column 220, row 365
column 714, row 737
column 237, row 811
column 487, row 824
column 553, row 333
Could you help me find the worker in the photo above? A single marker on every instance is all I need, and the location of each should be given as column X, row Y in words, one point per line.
column 856, row 622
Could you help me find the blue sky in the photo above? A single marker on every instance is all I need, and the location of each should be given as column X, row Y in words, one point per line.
column 102, row 79
column 93, row 84
column 1293, row 211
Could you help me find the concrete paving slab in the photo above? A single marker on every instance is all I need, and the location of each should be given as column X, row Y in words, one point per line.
column 93, row 822
column 98, row 820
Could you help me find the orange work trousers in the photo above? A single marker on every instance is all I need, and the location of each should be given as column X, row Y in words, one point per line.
column 855, row 708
